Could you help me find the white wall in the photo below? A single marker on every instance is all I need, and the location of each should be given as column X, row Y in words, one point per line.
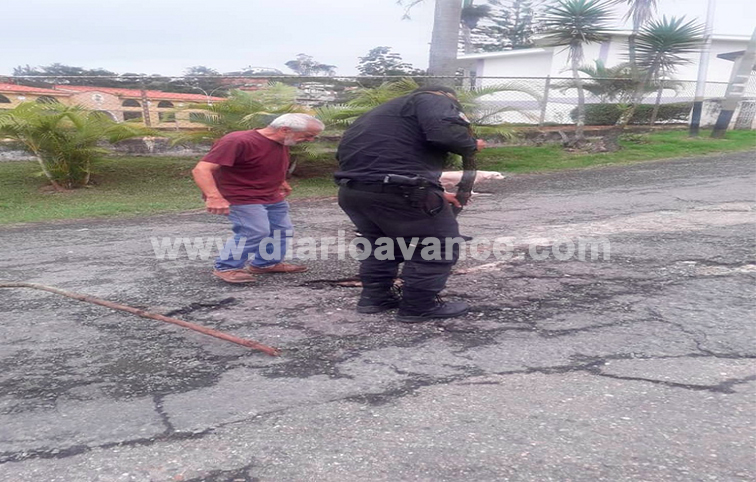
column 521, row 63
column 540, row 62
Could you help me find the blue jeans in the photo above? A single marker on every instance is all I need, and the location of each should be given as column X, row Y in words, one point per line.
column 266, row 229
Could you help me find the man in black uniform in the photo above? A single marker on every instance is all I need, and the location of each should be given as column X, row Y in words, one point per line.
column 390, row 160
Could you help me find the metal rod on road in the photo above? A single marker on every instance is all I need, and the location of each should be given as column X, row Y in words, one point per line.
column 146, row 314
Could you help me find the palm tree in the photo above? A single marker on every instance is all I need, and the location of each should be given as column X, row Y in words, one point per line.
column 640, row 11
column 442, row 61
column 483, row 118
column 607, row 84
column 575, row 23
column 660, row 47
column 241, row 110
column 64, row 139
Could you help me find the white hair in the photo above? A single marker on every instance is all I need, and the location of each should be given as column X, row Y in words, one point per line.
column 296, row 122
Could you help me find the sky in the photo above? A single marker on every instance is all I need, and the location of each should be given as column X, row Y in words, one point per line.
column 167, row 36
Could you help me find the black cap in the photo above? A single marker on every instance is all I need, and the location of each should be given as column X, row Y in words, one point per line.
column 436, row 88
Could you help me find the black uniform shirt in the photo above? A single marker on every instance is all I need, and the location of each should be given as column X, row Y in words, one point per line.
column 409, row 135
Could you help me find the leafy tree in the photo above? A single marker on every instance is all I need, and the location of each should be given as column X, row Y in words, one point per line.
column 382, row 61
column 198, row 79
column 64, row 139
column 573, row 24
column 251, row 71
column 200, row 71
column 305, row 65
column 65, row 74
column 510, row 24
column 470, row 17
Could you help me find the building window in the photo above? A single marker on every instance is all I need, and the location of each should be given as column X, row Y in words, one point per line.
column 47, row 99
column 131, row 103
column 4, row 100
column 167, row 116
column 132, row 116
column 165, row 104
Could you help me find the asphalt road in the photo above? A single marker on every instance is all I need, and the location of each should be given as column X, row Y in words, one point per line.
column 635, row 365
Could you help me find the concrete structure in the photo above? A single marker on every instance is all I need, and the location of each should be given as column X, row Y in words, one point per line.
column 552, row 61
column 541, row 62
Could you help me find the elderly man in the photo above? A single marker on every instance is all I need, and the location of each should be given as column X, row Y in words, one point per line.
column 244, row 177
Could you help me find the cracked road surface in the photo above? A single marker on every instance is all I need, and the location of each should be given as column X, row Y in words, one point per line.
column 635, row 365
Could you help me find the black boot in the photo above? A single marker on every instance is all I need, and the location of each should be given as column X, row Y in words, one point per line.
column 378, row 297
column 419, row 305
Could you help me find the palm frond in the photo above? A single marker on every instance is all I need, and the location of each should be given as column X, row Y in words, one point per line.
column 663, row 45
column 574, row 23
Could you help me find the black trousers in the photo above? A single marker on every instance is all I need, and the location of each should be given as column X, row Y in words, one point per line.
column 389, row 215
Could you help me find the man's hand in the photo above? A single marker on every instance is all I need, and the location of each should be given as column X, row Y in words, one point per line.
column 481, row 144
column 217, row 205
column 285, row 189
column 451, row 198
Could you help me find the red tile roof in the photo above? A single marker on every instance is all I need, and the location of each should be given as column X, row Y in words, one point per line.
column 24, row 89
column 136, row 93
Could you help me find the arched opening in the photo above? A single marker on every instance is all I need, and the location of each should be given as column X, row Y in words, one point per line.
column 165, row 104
column 104, row 113
column 131, row 103
column 4, row 100
column 46, row 99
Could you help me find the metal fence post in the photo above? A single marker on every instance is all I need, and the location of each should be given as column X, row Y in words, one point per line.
column 545, row 101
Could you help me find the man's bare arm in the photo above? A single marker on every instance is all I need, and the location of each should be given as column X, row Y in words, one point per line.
column 203, row 177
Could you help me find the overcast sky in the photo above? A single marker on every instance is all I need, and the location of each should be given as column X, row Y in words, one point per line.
column 167, row 36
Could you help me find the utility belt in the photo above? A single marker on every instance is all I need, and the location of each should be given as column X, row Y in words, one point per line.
column 415, row 190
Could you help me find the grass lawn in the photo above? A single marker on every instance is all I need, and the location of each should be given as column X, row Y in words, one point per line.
column 644, row 147
column 133, row 186
column 122, row 186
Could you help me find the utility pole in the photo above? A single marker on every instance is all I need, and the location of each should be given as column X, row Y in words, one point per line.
column 703, row 67
column 741, row 71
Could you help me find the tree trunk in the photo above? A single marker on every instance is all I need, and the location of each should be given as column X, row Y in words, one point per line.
column 444, row 40
column 467, row 48
column 580, row 122
column 656, row 104
column 49, row 176
column 611, row 139
column 631, row 53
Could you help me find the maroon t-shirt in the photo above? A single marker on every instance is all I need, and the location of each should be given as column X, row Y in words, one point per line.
column 253, row 167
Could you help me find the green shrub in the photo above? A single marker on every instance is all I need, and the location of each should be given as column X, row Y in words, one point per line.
column 607, row 114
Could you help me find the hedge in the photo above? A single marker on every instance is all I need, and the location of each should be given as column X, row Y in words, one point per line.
column 608, row 114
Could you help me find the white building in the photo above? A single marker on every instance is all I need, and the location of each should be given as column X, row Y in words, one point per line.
column 540, row 62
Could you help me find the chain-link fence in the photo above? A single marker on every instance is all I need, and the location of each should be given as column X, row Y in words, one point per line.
column 175, row 103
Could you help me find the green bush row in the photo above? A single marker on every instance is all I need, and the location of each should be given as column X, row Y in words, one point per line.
column 608, row 114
